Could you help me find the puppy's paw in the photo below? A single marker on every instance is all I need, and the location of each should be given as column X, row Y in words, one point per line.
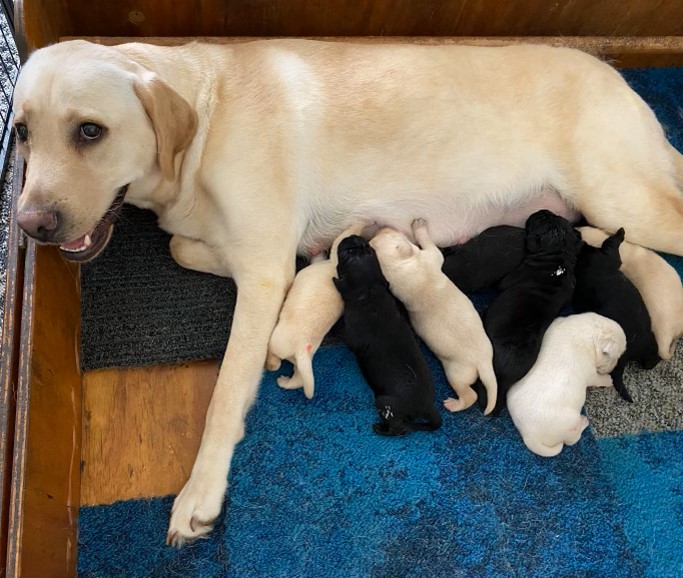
column 385, row 429
column 452, row 404
column 195, row 509
column 289, row 382
column 419, row 224
column 273, row 362
column 603, row 380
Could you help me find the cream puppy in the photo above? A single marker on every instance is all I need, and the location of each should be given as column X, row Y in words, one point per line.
column 441, row 314
column 545, row 405
column 313, row 305
column 659, row 285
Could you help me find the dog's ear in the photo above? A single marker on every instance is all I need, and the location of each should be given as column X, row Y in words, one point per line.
column 610, row 246
column 607, row 350
column 173, row 119
column 340, row 284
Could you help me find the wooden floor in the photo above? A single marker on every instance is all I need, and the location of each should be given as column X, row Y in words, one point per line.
column 141, row 429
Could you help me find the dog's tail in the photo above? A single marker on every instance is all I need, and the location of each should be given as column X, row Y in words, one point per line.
column 488, row 379
column 618, row 380
column 304, row 364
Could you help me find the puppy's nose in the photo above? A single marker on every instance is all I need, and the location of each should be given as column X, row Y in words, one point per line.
column 40, row 224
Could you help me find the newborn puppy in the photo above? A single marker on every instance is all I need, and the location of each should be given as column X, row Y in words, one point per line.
column 439, row 312
column 659, row 286
column 484, row 260
column 601, row 287
column 312, row 307
column 384, row 344
column 545, row 405
column 530, row 299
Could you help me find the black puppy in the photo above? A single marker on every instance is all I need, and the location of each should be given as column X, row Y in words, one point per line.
column 602, row 288
column 384, row 344
column 484, row 260
column 530, row 298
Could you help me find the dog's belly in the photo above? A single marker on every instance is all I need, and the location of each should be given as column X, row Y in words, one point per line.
column 449, row 224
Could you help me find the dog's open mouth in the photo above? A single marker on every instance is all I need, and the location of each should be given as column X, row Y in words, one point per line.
column 94, row 241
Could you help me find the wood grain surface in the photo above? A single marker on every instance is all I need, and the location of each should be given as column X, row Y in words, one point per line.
column 44, row 18
column 46, row 476
column 141, row 429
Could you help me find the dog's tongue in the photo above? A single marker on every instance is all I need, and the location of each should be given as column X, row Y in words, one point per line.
column 79, row 244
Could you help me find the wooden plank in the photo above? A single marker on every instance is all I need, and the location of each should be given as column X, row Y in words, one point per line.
column 9, row 358
column 141, row 429
column 39, row 23
column 16, row 513
column 620, row 51
column 376, row 18
column 45, row 492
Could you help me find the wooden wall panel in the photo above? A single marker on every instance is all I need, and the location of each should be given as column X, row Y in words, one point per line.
column 46, row 475
column 38, row 23
column 46, row 20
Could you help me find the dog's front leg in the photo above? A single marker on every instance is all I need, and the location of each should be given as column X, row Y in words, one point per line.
column 261, row 292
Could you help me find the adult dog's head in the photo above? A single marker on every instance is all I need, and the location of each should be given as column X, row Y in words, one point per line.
column 90, row 121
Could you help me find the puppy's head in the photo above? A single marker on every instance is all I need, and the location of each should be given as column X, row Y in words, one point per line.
column 546, row 232
column 392, row 246
column 90, row 121
column 357, row 267
column 610, row 343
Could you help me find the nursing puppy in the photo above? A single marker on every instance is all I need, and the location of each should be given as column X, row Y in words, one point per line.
column 658, row 283
column 484, row 260
column 383, row 342
column 601, row 287
column 530, row 299
column 439, row 312
column 313, row 305
column 545, row 405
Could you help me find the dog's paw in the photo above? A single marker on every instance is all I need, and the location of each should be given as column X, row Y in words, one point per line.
column 452, row 404
column 419, row 224
column 194, row 511
column 289, row 382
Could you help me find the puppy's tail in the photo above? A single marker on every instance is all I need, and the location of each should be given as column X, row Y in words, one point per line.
column 304, row 364
column 618, row 380
column 488, row 378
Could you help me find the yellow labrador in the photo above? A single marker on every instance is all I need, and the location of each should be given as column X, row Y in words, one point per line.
column 249, row 153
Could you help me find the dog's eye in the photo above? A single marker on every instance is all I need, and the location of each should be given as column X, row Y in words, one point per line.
column 90, row 131
column 21, row 132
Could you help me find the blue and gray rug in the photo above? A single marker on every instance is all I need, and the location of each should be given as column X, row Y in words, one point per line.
column 315, row 494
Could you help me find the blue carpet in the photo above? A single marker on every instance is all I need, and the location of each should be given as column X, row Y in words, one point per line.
column 318, row 494
column 315, row 494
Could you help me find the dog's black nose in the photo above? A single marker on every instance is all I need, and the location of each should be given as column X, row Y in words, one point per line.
column 39, row 224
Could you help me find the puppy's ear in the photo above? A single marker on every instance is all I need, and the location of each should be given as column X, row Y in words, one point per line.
column 173, row 119
column 340, row 284
column 608, row 350
column 610, row 246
